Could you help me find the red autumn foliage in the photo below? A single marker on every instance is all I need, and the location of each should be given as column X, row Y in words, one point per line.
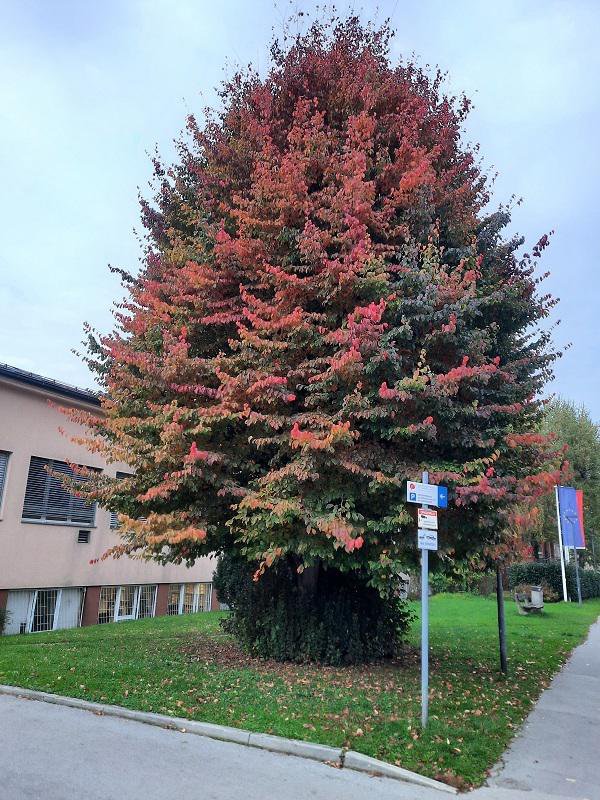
column 326, row 307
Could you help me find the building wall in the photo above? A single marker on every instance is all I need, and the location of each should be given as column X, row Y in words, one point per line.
column 39, row 555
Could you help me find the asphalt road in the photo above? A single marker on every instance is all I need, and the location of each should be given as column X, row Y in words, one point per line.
column 50, row 752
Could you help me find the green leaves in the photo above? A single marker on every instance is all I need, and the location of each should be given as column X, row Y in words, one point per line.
column 325, row 309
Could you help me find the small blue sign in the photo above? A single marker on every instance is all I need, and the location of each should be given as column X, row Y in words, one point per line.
column 413, row 497
column 442, row 497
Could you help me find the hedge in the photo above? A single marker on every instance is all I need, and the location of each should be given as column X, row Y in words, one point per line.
column 335, row 618
column 534, row 572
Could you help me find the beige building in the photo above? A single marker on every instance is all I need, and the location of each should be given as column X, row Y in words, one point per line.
column 48, row 537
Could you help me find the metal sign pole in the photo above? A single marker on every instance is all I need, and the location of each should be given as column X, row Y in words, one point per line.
column 501, row 620
column 425, row 495
column 575, row 556
column 561, row 548
column 425, row 628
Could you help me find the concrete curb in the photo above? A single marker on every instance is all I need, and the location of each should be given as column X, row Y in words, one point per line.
column 373, row 766
column 276, row 744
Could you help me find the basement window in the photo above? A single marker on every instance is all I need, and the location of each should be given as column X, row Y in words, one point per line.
column 147, row 602
column 43, row 611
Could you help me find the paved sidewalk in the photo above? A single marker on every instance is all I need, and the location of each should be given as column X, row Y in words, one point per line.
column 58, row 753
column 557, row 753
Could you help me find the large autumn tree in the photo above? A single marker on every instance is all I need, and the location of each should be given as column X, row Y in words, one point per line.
column 325, row 309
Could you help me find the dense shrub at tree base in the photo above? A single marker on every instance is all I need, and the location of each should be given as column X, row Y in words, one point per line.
column 318, row 615
column 535, row 572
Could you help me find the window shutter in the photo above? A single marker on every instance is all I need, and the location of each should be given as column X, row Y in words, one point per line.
column 114, row 516
column 3, row 469
column 47, row 500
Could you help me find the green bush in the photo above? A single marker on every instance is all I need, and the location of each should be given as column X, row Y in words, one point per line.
column 441, row 582
column 460, row 577
column 550, row 595
column 537, row 572
column 321, row 615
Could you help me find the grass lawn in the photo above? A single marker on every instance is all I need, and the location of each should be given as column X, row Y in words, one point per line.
column 185, row 666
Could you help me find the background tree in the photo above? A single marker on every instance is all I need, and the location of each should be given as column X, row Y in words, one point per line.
column 580, row 437
column 325, row 309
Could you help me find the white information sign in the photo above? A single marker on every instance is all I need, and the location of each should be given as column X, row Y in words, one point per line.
column 427, row 493
column 428, row 540
column 427, row 519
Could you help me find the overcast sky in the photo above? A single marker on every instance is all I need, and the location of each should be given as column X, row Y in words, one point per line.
column 88, row 89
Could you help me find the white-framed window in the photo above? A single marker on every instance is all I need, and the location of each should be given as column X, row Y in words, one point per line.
column 106, row 607
column 45, row 610
column 174, row 599
column 204, row 596
column 37, row 610
column 147, row 602
column 127, row 605
column 188, row 598
column 47, row 500
column 118, row 603
column 4, row 456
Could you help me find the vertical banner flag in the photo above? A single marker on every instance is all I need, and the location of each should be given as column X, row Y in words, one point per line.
column 570, row 505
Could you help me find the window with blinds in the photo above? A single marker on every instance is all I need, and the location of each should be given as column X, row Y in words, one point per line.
column 47, row 500
column 3, row 470
column 114, row 516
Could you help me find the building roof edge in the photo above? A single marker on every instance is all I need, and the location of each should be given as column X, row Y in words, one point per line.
column 49, row 384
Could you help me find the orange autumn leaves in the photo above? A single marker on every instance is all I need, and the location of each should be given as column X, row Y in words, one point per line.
column 325, row 308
